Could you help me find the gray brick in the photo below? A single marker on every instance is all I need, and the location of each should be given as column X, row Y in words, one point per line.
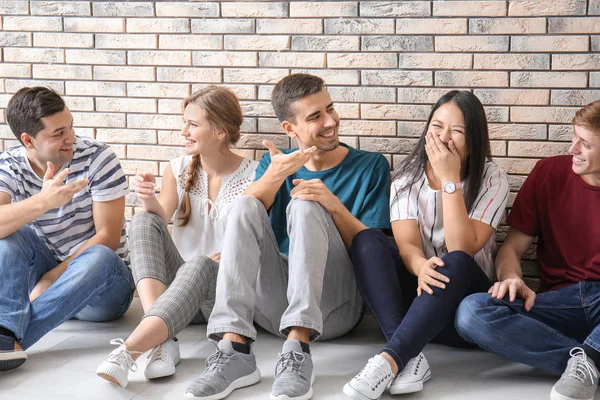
column 397, row 43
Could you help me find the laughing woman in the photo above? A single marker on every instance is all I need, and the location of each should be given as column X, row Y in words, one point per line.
column 447, row 198
column 176, row 276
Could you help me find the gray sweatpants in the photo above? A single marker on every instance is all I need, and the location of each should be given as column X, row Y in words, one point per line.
column 190, row 293
column 315, row 289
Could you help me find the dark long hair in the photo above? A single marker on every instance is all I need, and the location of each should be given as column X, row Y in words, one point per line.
column 477, row 147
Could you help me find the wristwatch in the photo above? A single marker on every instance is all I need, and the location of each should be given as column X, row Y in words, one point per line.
column 450, row 187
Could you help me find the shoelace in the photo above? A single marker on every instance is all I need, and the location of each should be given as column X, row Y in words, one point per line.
column 123, row 356
column 157, row 353
column 581, row 367
column 218, row 360
column 372, row 374
column 412, row 367
column 293, row 358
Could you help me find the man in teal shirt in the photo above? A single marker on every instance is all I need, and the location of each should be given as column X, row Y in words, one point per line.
column 285, row 262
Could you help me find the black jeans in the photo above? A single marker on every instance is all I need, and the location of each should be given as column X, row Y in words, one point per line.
column 407, row 321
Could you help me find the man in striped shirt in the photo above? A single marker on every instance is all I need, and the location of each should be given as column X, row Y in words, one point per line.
column 63, row 249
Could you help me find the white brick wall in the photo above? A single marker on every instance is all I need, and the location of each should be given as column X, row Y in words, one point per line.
column 124, row 66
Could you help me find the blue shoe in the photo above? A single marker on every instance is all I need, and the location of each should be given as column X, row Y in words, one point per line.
column 11, row 353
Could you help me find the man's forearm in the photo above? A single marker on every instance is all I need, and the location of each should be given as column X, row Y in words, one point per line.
column 14, row 216
column 265, row 188
column 508, row 264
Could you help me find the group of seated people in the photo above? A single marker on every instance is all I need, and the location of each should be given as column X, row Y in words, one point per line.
column 296, row 244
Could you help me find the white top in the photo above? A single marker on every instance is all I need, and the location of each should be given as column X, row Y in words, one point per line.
column 205, row 229
column 424, row 204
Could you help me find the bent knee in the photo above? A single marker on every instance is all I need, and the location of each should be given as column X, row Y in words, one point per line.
column 468, row 312
column 305, row 208
column 368, row 242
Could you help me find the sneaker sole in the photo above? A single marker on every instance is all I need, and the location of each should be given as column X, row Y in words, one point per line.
column 554, row 395
column 411, row 387
column 7, row 365
column 109, row 378
column 306, row 396
column 244, row 381
column 354, row 394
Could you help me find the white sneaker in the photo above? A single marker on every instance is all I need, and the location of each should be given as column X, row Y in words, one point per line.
column 118, row 363
column 162, row 360
column 371, row 382
column 412, row 377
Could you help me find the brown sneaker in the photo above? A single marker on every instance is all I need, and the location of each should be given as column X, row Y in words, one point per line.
column 11, row 353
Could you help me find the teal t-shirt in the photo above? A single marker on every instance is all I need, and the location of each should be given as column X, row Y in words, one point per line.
column 360, row 181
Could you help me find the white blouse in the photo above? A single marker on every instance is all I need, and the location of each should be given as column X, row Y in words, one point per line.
column 205, row 229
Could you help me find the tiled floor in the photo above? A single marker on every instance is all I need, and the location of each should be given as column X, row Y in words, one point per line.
column 62, row 366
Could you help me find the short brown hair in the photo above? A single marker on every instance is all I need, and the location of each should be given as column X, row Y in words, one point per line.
column 291, row 89
column 589, row 117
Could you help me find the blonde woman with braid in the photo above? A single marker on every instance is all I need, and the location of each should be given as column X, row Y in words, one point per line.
column 176, row 275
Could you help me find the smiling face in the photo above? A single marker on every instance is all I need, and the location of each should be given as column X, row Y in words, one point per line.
column 585, row 149
column 448, row 123
column 199, row 135
column 315, row 122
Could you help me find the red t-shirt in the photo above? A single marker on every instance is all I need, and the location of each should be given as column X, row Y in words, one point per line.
column 563, row 210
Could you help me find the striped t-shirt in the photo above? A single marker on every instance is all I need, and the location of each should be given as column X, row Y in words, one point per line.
column 421, row 203
column 66, row 228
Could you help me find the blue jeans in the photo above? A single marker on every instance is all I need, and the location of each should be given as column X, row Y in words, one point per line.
column 407, row 321
column 543, row 337
column 96, row 286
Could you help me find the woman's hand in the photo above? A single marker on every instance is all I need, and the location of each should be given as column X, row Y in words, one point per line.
column 445, row 161
column 429, row 276
column 144, row 186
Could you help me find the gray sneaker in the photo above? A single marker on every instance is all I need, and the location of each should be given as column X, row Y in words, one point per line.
column 580, row 379
column 294, row 374
column 226, row 370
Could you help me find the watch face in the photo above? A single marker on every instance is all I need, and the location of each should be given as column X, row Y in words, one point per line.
column 449, row 187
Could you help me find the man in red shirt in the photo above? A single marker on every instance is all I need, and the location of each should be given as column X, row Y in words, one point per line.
column 557, row 330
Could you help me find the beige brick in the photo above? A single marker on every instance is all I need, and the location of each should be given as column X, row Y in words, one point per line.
column 9, row 39
column 435, row 61
column 243, row 92
column 546, row 44
column 14, row 7
column 576, row 61
column 63, row 40
column 192, row 42
column 498, row 148
column 162, row 57
column 170, row 138
column 255, row 141
column 157, row 25
column 471, row 78
column 517, row 131
column 187, row 9
column 288, row 25
column 62, row 8
column 298, row 60
column 57, row 71
column 387, row 145
column 79, row 103
column 434, row 26
column 112, row 104
column 594, row 79
column 99, row 120
column 127, row 41
column 562, row 133
column 99, row 56
column 368, row 128
column 410, row 129
column 513, row 96
column 126, row 135
column 394, row 9
column 497, row 26
column 257, row 42
column 269, row 125
column 123, row 9
column 516, row 165
column 359, row 26
column 153, row 121
column 326, row 43
column 574, row 97
column 32, row 24
column 257, row 109
column 6, row 133
column 4, row 98
column 395, row 111
column 177, row 90
column 12, row 85
column 331, row 76
column 170, row 106
column 254, row 9
column 552, row 115
column 15, row 70
column 254, row 75
column 471, row 43
column 546, row 7
column 138, row 167
column 548, row 79
column 421, row 95
column 324, row 9
column 362, row 94
column 94, row 25
column 223, row 25
column 354, row 60
column 537, row 149
column 141, row 152
column 397, row 43
column 469, row 8
column 511, row 61
column 574, row 25
column 397, row 78
column 118, row 73
column 225, row 58
column 34, row 55
column 96, row 88
column 496, row 114
column 188, row 74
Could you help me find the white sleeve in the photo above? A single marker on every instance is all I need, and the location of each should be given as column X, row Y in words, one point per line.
column 491, row 201
column 402, row 203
